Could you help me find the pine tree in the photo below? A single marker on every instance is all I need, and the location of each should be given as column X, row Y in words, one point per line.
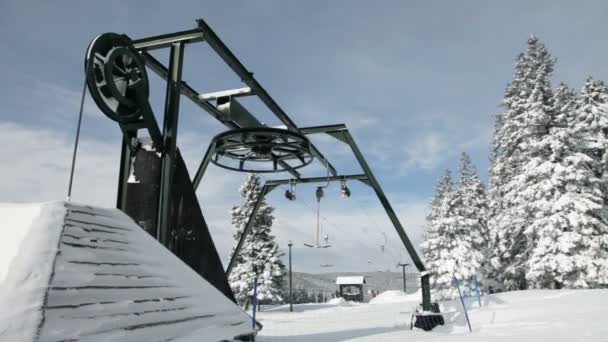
column 590, row 125
column 473, row 210
column 448, row 248
column 572, row 229
column 435, row 241
column 260, row 254
column 561, row 196
column 520, row 136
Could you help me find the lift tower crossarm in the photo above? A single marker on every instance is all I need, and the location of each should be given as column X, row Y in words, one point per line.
column 247, row 77
column 276, row 182
column 205, row 33
column 267, row 188
column 340, row 131
column 166, row 40
column 158, row 68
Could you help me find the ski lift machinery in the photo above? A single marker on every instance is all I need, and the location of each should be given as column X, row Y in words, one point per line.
column 163, row 201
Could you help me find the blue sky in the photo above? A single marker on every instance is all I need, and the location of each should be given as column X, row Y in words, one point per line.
column 417, row 82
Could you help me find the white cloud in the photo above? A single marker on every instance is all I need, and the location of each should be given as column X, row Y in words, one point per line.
column 36, row 165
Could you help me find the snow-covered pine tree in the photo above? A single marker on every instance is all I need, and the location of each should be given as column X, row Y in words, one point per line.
column 436, row 241
column 590, row 125
column 448, row 249
column 260, row 253
column 567, row 202
column 572, row 233
column 473, row 209
column 520, row 131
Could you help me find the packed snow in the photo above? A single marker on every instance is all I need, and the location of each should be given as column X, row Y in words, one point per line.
column 79, row 273
column 339, row 301
column 396, row 296
column 30, row 234
column 522, row 316
column 350, row 280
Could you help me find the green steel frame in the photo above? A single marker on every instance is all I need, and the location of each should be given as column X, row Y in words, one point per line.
column 233, row 115
column 227, row 109
column 341, row 133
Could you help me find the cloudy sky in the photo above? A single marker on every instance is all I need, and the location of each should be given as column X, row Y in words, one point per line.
column 416, row 81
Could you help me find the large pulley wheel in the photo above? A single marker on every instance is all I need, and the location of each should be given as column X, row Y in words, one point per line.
column 261, row 150
column 116, row 78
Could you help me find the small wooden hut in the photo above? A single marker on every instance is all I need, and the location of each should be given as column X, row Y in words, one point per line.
column 351, row 288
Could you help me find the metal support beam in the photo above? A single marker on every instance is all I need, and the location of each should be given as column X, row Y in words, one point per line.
column 385, row 203
column 170, row 142
column 191, row 94
column 123, row 174
column 277, row 182
column 233, row 110
column 341, row 133
column 166, row 40
column 158, row 68
column 265, row 190
column 245, row 91
column 196, row 181
column 247, row 77
column 425, row 285
column 323, row 129
column 333, row 130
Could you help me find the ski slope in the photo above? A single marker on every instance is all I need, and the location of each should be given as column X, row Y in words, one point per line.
column 524, row 316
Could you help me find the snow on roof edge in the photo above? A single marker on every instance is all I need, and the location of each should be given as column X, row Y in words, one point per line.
column 350, row 280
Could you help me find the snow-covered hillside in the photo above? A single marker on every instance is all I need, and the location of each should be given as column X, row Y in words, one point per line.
column 524, row 316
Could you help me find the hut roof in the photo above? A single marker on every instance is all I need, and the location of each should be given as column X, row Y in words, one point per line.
column 351, row 280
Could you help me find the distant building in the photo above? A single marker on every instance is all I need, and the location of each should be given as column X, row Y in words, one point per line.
column 351, row 288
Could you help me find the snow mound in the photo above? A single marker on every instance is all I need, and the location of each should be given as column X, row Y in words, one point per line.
column 75, row 272
column 396, row 296
column 521, row 316
column 339, row 301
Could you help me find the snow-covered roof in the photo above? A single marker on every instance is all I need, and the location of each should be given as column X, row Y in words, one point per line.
column 352, row 280
column 74, row 272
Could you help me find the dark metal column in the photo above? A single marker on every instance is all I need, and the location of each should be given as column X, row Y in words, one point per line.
column 426, row 300
column 425, row 285
column 404, row 282
column 169, row 135
column 123, row 174
column 290, row 280
column 237, row 250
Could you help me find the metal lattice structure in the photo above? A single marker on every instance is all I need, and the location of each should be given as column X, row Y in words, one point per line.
column 164, row 202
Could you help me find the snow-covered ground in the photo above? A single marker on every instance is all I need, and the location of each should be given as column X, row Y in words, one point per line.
column 524, row 316
column 80, row 273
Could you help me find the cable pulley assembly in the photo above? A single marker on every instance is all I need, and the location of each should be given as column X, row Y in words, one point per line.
column 261, row 150
column 118, row 83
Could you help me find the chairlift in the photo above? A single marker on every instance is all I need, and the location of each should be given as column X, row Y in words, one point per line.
column 326, row 265
column 325, row 239
column 319, row 194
